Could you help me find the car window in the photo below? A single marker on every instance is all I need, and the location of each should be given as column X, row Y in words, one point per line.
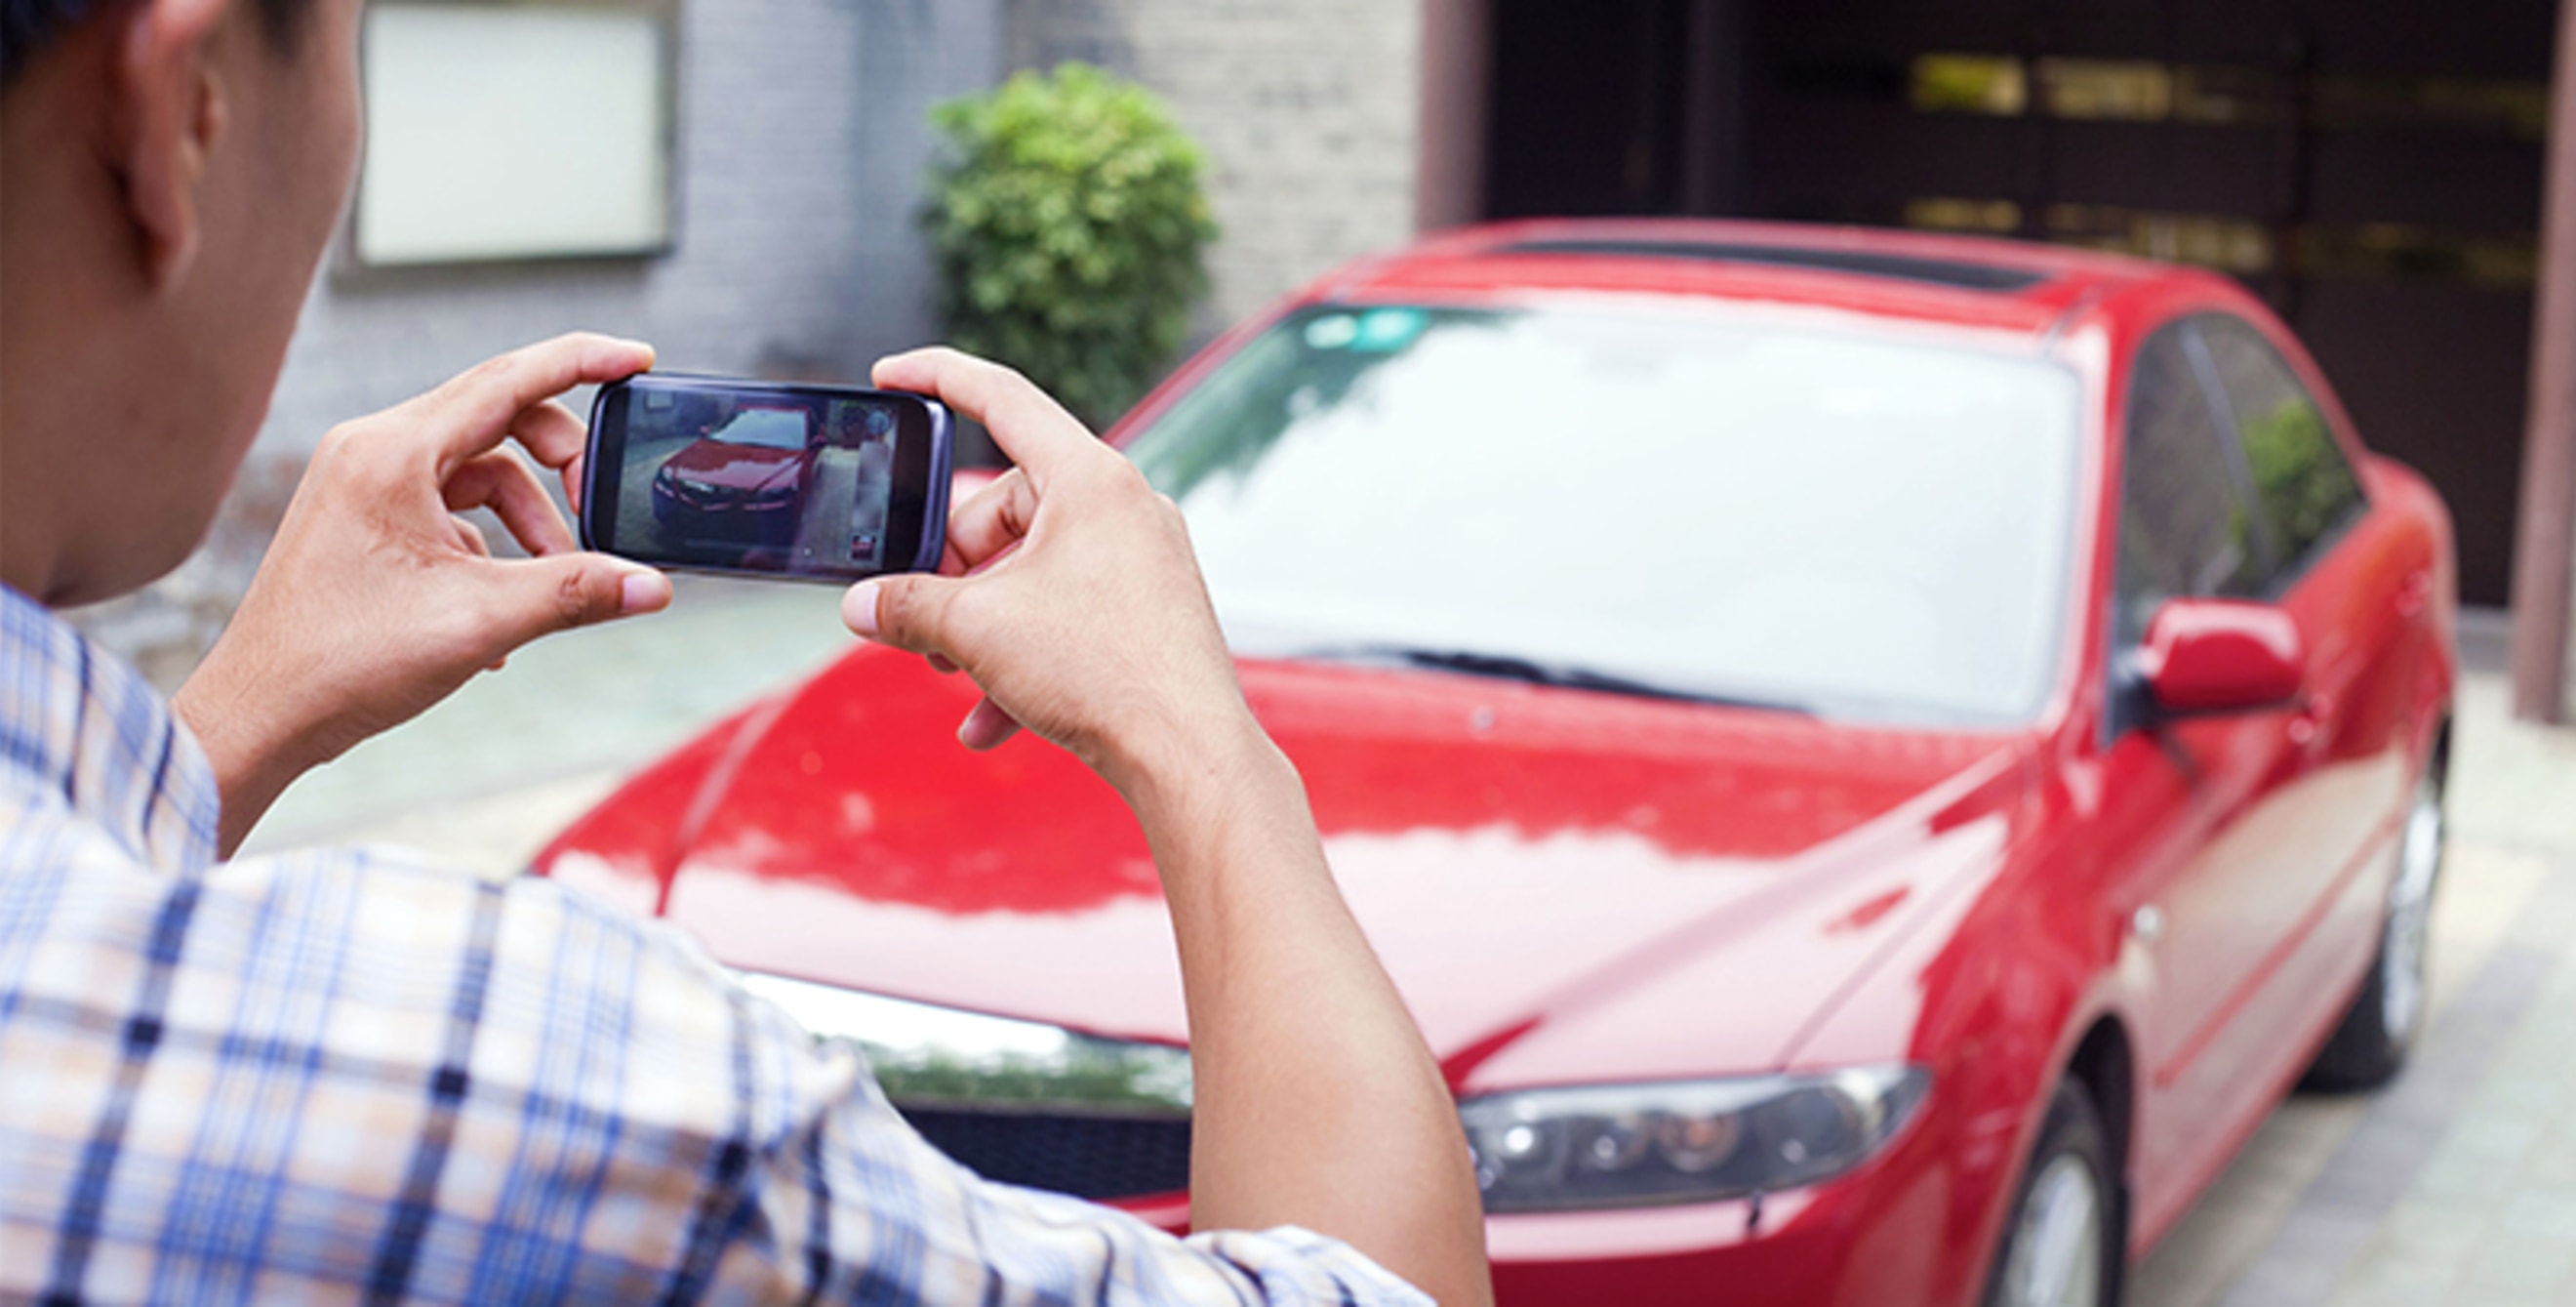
column 1873, row 527
column 2301, row 479
column 2184, row 526
column 764, row 428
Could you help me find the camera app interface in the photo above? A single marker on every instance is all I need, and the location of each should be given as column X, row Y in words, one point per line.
column 779, row 483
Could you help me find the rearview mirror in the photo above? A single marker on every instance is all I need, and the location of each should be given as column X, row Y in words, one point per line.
column 2220, row 655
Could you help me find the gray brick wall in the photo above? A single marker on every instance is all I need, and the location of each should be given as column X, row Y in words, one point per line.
column 1308, row 111
column 802, row 148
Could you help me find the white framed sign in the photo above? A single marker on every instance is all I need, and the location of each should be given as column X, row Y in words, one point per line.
column 502, row 131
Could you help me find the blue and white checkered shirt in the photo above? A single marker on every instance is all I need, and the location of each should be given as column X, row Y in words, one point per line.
column 342, row 1075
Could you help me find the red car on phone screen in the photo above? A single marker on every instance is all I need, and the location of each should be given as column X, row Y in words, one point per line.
column 743, row 480
column 1875, row 759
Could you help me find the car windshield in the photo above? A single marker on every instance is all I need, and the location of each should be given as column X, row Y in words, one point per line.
column 764, row 428
column 1691, row 503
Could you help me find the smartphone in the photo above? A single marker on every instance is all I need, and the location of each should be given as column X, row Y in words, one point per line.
column 758, row 478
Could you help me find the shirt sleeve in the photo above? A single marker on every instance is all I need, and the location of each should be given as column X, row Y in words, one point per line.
column 876, row 1212
column 516, row 1090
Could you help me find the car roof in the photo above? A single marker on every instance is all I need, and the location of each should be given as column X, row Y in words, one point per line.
column 1965, row 281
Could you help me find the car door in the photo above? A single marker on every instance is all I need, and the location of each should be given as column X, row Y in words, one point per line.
column 2191, row 808
column 2357, row 583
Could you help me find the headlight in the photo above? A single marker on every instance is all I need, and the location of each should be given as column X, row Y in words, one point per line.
column 925, row 1055
column 1645, row 1145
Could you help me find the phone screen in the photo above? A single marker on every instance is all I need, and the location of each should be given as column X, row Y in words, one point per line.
column 821, row 482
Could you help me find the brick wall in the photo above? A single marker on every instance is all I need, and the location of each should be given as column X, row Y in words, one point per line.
column 802, row 148
column 1309, row 114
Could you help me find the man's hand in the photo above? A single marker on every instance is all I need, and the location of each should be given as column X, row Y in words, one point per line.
column 376, row 600
column 1069, row 591
column 1071, row 596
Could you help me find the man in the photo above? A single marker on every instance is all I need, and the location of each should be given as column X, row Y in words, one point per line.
column 342, row 1075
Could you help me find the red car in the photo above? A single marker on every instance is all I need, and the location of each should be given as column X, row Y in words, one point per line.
column 1875, row 759
column 741, row 481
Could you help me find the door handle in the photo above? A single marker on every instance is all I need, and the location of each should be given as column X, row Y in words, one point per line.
column 2414, row 594
column 2147, row 923
column 2310, row 718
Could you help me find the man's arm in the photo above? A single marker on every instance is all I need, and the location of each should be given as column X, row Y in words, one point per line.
column 377, row 601
column 1072, row 597
column 1317, row 1103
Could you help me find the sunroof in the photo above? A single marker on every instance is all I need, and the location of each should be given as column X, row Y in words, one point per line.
column 1933, row 272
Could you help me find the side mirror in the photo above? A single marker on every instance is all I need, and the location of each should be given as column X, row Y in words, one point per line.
column 2206, row 656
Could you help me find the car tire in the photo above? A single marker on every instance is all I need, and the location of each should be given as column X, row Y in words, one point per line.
column 2370, row 1045
column 2063, row 1240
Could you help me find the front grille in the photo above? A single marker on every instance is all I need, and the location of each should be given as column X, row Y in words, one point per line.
column 1096, row 1157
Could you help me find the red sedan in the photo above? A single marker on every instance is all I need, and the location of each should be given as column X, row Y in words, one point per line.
column 1875, row 759
column 743, row 480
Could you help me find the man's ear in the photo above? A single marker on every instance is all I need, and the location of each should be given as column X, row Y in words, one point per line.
column 169, row 109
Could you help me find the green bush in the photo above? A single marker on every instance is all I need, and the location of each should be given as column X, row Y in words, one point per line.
column 2304, row 484
column 1068, row 224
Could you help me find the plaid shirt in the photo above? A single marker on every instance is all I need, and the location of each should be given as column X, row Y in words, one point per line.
column 344, row 1075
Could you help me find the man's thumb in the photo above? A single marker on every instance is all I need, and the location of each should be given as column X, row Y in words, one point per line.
column 563, row 591
column 903, row 611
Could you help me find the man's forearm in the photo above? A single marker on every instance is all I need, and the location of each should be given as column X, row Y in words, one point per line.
column 1317, row 1103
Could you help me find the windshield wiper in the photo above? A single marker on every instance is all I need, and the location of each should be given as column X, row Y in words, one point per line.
column 1513, row 667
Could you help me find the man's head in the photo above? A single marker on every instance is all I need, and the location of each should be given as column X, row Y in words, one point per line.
column 170, row 172
column 28, row 26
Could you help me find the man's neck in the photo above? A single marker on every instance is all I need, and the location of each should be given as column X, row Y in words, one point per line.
column 39, row 425
column 70, row 346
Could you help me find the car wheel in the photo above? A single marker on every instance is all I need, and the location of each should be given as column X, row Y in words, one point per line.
column 2370, row 1045
column 2062, row 1243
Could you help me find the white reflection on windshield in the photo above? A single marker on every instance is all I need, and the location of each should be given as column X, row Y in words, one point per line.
column 1870, row 527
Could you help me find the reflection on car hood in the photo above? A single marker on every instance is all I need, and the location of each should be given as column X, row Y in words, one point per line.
column 1513, row 851
column 737, row 467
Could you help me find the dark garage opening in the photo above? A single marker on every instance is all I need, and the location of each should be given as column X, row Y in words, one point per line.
column 2374, row 171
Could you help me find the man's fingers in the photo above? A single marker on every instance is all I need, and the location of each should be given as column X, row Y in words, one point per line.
column 558, row 439
column 992, row 520
column 553, row 434
column 987, row 726
column 471, row 413
column 572, row 481
column 510, row 488
column 1038, row 434
column 469, row 537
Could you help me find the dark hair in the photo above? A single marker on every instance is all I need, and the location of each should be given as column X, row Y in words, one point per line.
column 28, row 26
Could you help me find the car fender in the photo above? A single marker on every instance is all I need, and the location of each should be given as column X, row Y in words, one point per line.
column 1994, row 990
column 2402, row 489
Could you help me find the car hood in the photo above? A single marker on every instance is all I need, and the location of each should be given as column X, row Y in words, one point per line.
column 736, row 467
column 1516, row 854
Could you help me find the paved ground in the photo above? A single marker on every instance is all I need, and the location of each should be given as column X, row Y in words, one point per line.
column 2455, row 1186
column 486, row 776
